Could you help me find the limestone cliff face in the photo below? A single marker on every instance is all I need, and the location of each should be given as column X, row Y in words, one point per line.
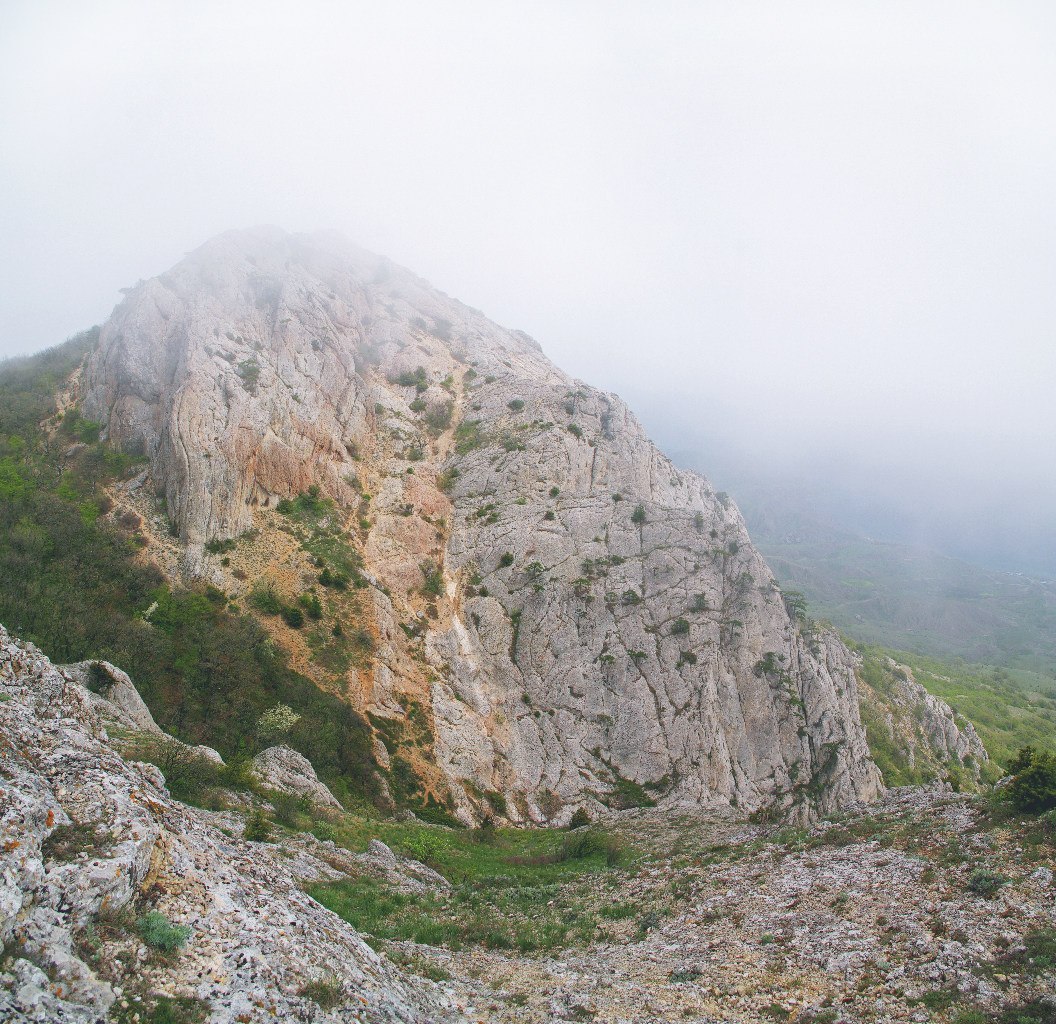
column 582, row 620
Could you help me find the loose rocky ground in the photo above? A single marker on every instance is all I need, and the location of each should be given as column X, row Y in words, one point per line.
column 119, row 903
column 883, row 916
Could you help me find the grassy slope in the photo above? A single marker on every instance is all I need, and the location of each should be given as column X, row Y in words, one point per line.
column 71, row 583
column 1009, row 708
column 523, row 889
column 1007, row 714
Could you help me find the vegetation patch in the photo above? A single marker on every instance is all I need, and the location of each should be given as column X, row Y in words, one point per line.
column 67, row 842
column 158, row 932
column 522, row 889
column 327, row 993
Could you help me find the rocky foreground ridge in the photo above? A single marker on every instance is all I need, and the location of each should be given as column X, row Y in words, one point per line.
column 90, row 843
column 578, row 621
column 919, row 909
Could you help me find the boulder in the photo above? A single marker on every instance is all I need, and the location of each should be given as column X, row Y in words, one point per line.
column 283, row 769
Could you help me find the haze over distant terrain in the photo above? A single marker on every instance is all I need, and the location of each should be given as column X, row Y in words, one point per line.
column 975, row 499
column 826, row 233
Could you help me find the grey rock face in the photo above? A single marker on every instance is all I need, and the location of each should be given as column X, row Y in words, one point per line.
column 256, row 938
column 284, row 769
column 113, row 695
column 603, row 631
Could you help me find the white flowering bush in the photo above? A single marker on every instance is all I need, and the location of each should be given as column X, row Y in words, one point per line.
column 277, row 721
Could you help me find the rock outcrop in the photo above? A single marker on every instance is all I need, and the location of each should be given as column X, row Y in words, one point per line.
column 284, row 769
column 932, row 742
column 113, row 696
column 89, row 842
column 582, row 621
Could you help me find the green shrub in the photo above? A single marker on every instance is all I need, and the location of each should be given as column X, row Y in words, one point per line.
column 795, row 605
column 580, row 819
column 438, row 418
column 516, row 405
column 681, row 976
column 292, row 616
column 308, row 507
column 469, row 435
column 416, row 379
column 189, row 774
column 585, row 843
column 628, row 793
column 446, row 480
column 433, row 584
column 327, row 993
column 257, row 828
column 276, row 721
column 1032, row 787
column 289, row 808
column 679, row 626
column 425, row 847
column 324, row 831
column 506, row 560
column 249, row 373
column 158, row 932
column 497, row 802
column 311, row 604
column 333, row 580
column 984, row 882
column 264, row 599
column 638, row 515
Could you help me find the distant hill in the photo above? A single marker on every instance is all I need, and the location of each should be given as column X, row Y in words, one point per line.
column 909, row 598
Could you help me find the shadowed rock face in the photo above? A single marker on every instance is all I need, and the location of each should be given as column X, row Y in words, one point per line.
column 601, row 627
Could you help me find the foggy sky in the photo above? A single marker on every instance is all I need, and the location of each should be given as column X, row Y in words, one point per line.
column 823, row 232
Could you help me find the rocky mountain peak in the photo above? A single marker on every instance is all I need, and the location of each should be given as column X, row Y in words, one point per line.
column 556, row 615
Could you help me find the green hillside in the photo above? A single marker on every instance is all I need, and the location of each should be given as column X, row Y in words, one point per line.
column 71, row 584
column 908, row 598
column 1009, row 708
